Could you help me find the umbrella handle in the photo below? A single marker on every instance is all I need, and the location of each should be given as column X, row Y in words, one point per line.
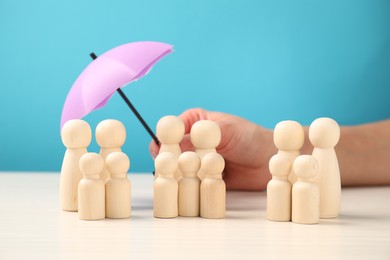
column 124, row 97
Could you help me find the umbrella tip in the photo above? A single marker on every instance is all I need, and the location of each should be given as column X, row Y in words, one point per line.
column 93, row 55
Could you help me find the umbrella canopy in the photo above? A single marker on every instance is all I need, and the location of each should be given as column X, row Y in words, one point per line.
column 108, row 73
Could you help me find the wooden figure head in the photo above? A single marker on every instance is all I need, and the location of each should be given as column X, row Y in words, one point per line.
column 324, row 133
column 205, row 134
column 166, row 164
column 170, row 130
column 189, row 163
column 280, row 165
column 110, row 133
column 91, row 164
column 117, row 163
column 305, row 166
column 76, row 133
column 213, row 164
column 289, row 135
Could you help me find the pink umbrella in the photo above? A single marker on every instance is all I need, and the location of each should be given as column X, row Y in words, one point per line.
column 107, row 74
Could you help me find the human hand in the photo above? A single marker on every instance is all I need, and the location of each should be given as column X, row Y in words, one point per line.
column 245, row 146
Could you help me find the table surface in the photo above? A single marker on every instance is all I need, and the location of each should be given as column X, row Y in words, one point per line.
column 32, row 226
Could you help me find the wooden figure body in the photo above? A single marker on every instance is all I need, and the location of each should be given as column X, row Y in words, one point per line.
column 91, row 188
column 212, row 188
column 170, row 132
column 324, row 134
column 289, row 138
column 189, row 185
column 205, row 136
column 76, row 135
column 279, row 189
column 305, row 192
column 110, row 136
column 165, row 204
column 118, row 187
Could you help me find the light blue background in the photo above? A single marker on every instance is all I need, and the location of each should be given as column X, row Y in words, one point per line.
column 263, row 60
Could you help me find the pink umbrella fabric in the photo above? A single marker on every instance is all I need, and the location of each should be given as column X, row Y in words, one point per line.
column 109, row 72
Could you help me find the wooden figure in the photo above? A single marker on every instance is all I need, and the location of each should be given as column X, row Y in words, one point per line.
column 279, row 189
column 118, row 187
column 76, row 135
column 212, row 188
column 91, row 188
column 165, row 186
column 324, row 134
column 289, row 138
column 189, row 185
column 205, row 136
column 110, row 136
column 170, row 132
column 305, row 192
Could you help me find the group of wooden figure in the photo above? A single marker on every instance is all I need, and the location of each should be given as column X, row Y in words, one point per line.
column 189, row 184
column 186, row 184
column 95, row 185
column 304, row 188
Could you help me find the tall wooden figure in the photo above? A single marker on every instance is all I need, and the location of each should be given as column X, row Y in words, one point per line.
column 189, row 185
column 279, row 189
column 91, row 188
column 305, row 192
column 170, row 132
column 205, row 136
column 212, row 188
column 289, row 138
column 110, row 136
column 118, row 187
column 76, row 136
column 165, row 188
column 324, row 134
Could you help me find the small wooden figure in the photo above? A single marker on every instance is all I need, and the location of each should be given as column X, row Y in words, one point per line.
column 110, row 136
column 205, row 136
column 170, row 132
column 305, row 192
column 279, row 189
column 165, row 186
column 91, row 188
column 212, row 188
column 118, row 187
column 289, row 138
column 189, row 185
column 76, row 135
column 324, row 134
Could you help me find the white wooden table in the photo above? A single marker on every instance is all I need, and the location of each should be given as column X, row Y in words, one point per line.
column 32, row 226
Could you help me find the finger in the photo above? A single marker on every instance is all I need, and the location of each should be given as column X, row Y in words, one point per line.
column 186, row 145
column 191, row 116
column 153, row 148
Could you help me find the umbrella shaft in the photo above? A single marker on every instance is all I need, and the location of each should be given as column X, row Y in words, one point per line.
column 138, row 116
